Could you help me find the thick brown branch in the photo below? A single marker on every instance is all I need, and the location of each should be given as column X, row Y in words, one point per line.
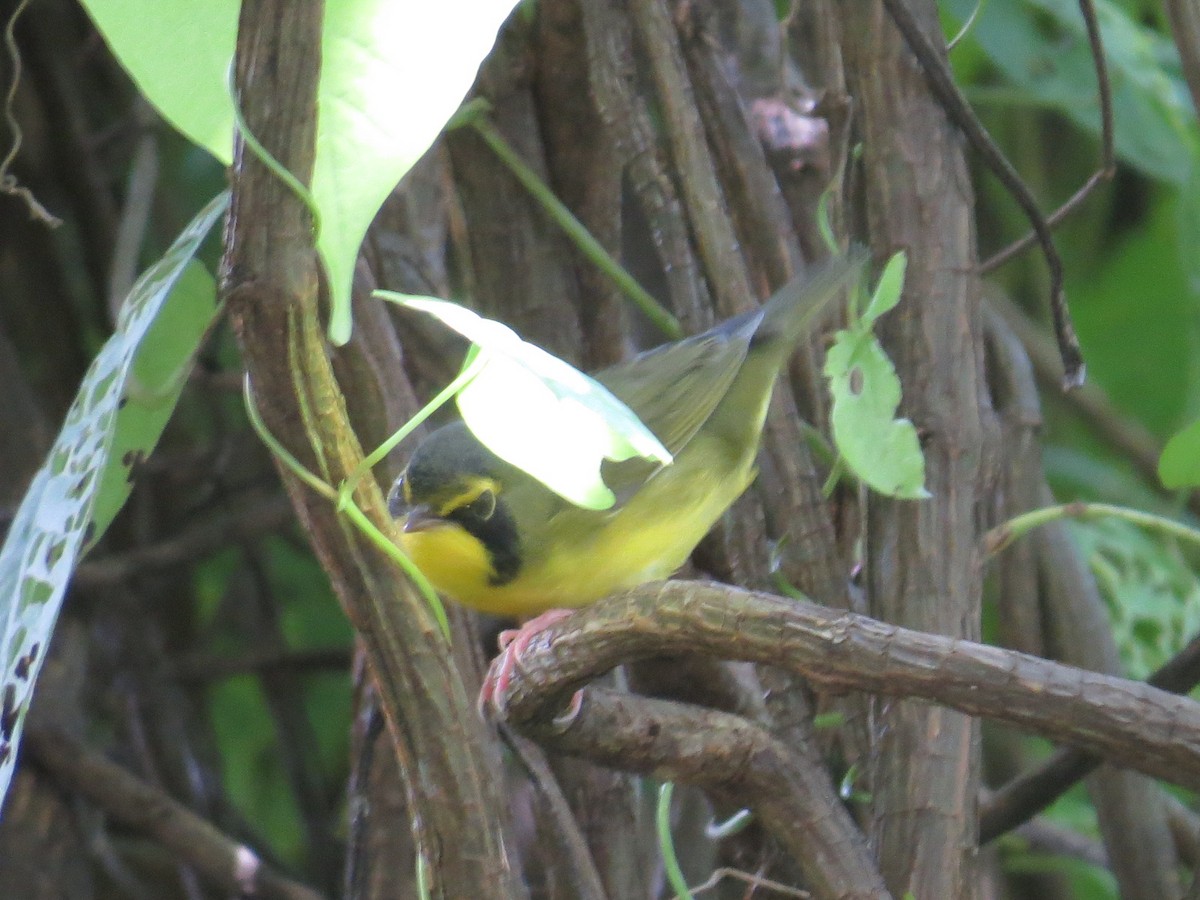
column 270, row 283
column 1032, row 792
column 1127, row 722
column 726, row 754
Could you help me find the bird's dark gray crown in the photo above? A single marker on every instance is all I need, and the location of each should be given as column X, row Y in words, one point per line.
column 445, row 458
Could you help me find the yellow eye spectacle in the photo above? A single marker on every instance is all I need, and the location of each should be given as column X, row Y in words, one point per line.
column 478, row 502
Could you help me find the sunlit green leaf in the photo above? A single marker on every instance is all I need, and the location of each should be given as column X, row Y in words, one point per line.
column 178, row 53
column 539, row 413
column 391, row 75
column 55, row 518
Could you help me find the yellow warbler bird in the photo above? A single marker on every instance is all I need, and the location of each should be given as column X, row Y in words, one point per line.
column 494, row 538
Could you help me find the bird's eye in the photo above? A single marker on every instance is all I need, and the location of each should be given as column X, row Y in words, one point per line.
column 482, row 506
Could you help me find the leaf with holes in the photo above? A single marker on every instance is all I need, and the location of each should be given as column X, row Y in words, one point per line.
column 539, row 413
column 57, row 515
column 880, row 449
column 160, row 371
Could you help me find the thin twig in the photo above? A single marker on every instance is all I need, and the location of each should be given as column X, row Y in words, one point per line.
column 1090, row 403
column 203, row 667
column 942, row 84
column 8, row 181
column 756, row 883
column 790, row 793
column 251, row 518
column 1108, row 163
column 579, row 864
column 224, row 862
column 1184, row 16
column 140, row 188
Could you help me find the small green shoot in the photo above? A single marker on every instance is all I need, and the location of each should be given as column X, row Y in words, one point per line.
column 1004, row 534
column 827, row 721
column 474, row 114
column 735, row 824
column 666, row 844
column 847, row 790
column 346, row 506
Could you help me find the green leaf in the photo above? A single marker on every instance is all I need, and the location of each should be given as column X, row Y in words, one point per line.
column 1188, row 224
column 1137, row 320
column 178, row 53
column 540, row 414
column 55, row 518
column 160, row 369
column 881, row 450
column 887, row 292
column 1149, row 588
column 1179, row 465
column 392, row 73
column 1041, row 45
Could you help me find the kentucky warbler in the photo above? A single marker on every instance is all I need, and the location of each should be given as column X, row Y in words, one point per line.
column 494, row 538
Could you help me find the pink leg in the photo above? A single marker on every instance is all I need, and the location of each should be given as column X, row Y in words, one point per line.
column 513, row 643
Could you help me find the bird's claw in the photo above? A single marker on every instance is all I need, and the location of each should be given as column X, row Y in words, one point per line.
column 513, row 642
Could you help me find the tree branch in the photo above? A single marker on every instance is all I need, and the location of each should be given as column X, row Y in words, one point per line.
column 231, row 866
column 1127, row 722
column 727, row 755
column 243, row 521
column 270, row 283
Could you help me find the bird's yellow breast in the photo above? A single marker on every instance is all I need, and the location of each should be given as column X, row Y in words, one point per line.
column 588, row 555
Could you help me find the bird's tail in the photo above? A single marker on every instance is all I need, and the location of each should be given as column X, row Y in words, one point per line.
column 796, row 307
column 782, row 321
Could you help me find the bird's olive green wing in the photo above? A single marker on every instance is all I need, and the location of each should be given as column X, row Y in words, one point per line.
column 674, row 390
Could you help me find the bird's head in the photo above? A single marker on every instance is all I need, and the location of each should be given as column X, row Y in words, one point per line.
column 455, row 524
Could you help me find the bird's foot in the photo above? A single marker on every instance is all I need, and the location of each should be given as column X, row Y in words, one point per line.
column 513, row 642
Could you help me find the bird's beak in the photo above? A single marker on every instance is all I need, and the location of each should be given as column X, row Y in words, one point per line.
column 420, row 518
